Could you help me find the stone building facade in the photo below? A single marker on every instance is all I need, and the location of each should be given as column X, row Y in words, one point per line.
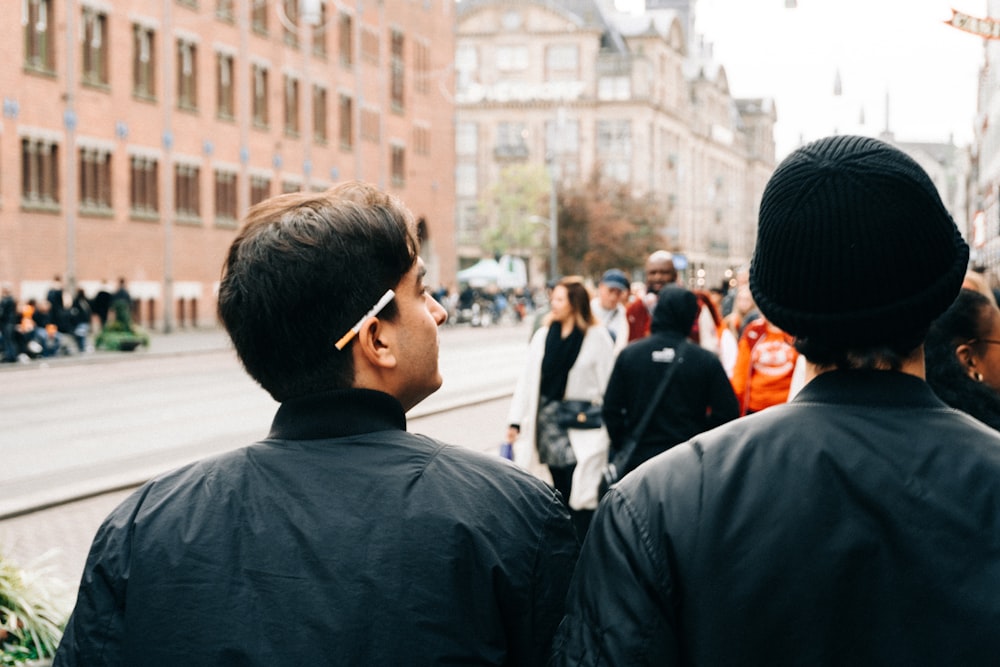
column 136, row 133
column 578, row 86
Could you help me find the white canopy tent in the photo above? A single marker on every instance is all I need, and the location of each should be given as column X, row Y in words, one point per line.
column 507, row 273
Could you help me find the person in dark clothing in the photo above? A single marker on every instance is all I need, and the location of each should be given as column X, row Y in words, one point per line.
column 121, row 304
column 963, row 357
column 80, row 317
column 699, row 396
column 101, row 304
column 340, row 538
column 857, row 523
column 57, row 306
column 8, row 324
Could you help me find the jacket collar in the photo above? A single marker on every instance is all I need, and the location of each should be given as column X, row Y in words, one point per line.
column 890, row 389
column 338, row 413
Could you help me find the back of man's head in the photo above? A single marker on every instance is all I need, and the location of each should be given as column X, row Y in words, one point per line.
column 301, row 271
column 855, row 249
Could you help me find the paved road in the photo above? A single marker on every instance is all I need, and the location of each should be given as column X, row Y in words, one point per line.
column 77, row 427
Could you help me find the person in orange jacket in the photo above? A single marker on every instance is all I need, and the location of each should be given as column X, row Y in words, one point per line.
column 765, row 361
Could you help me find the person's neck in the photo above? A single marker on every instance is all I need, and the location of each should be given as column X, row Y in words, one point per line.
column 914, row 366
column 567, row 328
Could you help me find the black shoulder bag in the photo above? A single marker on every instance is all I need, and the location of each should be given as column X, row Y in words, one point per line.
column 613, row 470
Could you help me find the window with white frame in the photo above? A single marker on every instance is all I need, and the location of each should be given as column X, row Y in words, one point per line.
column 258, row 82
column 39, row 173
column 467, row 138
column 95, row 47
column 187, row 75
column 95, row 180
column 224, row 87
column 144, row 195
column 562, row 60
column 511, row 58
column 466, row 185
column 143, row 61
column 614, row 88
column 614, row 149
column 36, row 19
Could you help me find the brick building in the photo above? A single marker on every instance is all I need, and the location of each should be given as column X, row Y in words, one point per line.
column 136, row 133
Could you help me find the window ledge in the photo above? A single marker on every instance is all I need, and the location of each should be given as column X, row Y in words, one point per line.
column 97, row 211
column 40, row 206
column 96, row 84
column 189, row 220
column 144, row 216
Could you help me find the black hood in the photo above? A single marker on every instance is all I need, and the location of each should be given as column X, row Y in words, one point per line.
column 676, row 310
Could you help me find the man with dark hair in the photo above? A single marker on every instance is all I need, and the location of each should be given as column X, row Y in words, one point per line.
column 340, row 538
column 857, row 524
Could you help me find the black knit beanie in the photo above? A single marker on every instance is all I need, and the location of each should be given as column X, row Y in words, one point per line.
column 854, row 246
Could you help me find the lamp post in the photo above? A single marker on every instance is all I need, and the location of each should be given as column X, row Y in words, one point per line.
column 553, row 226
column 550, row 224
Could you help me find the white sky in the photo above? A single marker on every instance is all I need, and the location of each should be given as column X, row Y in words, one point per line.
column 902, row 47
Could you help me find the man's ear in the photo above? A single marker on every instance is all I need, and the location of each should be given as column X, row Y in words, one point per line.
column 966, row 358
column 375, row 343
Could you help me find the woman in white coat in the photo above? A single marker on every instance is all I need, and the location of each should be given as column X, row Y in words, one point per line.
column 569, row 359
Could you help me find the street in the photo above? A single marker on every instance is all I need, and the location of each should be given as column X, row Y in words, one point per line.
column 74, row 429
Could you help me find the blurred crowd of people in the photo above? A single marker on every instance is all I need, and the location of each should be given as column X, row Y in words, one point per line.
column 59, row 324
column 741, row 363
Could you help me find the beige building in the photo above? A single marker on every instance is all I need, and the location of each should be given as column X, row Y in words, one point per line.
column 577, row 86
column 136, row 133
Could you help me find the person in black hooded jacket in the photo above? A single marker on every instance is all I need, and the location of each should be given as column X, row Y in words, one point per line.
column 699, row 397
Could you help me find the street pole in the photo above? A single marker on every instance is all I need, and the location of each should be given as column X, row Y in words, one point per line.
column 167, row 207
column 70, row 123
column 553, row 226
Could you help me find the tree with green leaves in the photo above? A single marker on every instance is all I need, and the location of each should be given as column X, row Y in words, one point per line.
column 511, row 209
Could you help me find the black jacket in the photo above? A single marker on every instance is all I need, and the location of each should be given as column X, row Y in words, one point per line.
column 341, row 539
column 858, row 524
column 698, row 398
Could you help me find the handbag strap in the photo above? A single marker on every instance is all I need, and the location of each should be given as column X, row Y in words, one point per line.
column 661, row 388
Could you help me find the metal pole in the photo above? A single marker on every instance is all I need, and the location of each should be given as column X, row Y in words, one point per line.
column 553, row 227
column 70, row 122
column 167, row 208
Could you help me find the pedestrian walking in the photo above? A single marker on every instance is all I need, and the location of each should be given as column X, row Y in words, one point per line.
column 699, row 396
column 340, row 538
column 764, row 367
column 608, row 306
column 856, row 524
column 569, row 363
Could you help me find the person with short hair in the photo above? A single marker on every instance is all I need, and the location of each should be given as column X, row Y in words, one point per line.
column 660, row 271
column 856, row 524
column 340, row 538
column 608, row 306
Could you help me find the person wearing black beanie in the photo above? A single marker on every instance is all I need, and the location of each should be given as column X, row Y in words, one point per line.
column 859, row 522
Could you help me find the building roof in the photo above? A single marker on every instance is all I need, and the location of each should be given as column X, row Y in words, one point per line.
column 585, row 13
